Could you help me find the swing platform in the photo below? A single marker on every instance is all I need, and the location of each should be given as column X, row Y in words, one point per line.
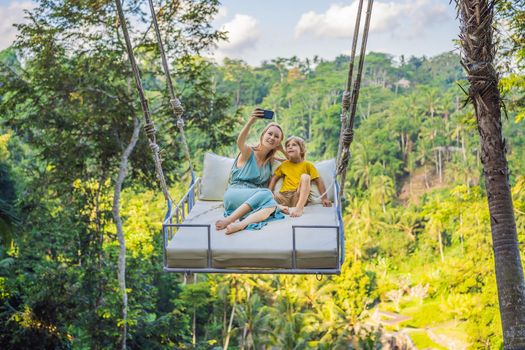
column 310, row 244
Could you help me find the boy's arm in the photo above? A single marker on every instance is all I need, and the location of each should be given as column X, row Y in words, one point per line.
column 273, row 181
column 324, row 199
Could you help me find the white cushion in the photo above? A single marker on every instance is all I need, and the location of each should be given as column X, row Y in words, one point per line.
column 326, row 169
column 215, row 176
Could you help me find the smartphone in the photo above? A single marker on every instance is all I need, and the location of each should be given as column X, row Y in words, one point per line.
column 267, row 114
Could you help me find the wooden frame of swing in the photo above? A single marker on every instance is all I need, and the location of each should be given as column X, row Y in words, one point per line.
column 176, row 216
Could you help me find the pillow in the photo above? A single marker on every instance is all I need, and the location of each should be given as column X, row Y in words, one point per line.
column 215, row 176
column 326, row 169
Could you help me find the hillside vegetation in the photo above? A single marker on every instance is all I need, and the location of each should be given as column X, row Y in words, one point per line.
column 419, row 264
column 418, row 269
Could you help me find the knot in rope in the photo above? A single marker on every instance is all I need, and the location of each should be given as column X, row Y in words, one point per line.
column 345, row 157
column 150, row 130
column 348, row 137
column 346, row 100
column 177, row 106
column 180, row 123
column 155, row 148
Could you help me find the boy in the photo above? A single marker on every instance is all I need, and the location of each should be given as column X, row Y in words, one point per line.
column 298, row 174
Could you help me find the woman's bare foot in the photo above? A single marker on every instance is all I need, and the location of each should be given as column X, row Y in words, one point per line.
column 222, row 224
column 234, row 227
column 284, row 209
column 296, row 212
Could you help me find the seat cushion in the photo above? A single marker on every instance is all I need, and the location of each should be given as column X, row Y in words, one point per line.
column 215, row 176
column 270, row 247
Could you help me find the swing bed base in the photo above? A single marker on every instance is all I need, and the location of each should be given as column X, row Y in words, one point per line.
column 289, row 246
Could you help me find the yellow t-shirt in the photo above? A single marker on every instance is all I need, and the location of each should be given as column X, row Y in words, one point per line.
column 292, row 173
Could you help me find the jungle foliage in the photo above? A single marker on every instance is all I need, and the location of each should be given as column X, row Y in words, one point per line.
column 416, row 220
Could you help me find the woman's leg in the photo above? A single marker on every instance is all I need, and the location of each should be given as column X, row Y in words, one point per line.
column 242, row 210
column 258, row 216
column 304, row 192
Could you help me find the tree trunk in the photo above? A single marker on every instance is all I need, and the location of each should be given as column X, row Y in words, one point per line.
column 440, row 166
column 463, row 150
column 227, row 340
column 123, row 169
column 194, row 327
column 461, row 234
column 440, row 239
column 427, row 185
column 476, row 18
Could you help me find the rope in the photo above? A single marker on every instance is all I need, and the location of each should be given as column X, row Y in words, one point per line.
column 324, row 193
column 176, row 105
column 149, row 127
column 347, row 135
column 346, row 94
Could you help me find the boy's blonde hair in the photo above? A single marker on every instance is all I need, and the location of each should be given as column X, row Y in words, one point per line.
column 300, row 142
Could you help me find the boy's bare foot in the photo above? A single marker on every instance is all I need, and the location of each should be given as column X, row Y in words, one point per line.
column 284, row 209
column 296, row 212
column 222, row 224
column 234, row 227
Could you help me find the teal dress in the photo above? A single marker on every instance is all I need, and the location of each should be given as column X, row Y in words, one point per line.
column 249, row 184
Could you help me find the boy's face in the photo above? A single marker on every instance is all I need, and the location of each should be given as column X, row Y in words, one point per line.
column 293, row 150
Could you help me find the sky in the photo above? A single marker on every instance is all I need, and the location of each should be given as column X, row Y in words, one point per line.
column 261, row 30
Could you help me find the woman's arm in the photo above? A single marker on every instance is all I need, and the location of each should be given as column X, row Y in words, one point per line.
column 241, row 139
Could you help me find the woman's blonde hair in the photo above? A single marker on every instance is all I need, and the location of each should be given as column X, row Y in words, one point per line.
column 300, row 142
column 271, row 154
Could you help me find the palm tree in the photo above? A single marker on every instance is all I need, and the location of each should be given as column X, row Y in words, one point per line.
column 382, row 189
column 359, row 222
column 290, row 328
column 7, row 211
column 476, row 17
column 255, row 317
column 362, row 166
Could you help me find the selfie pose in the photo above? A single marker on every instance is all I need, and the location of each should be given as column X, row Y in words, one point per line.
column 248, row 198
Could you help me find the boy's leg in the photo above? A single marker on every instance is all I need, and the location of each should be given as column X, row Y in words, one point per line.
column 258, row 216
column 284, row 201
column 304, row 192
column 238, row 213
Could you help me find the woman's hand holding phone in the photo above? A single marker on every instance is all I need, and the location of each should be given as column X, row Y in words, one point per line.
column 262, row 113
column 257, row 113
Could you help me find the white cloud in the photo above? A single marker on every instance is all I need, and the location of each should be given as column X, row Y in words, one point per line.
column 404, row 19
column 243, row 32
column 11, row 13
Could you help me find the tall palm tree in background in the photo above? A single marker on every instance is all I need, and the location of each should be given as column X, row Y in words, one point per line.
column 7, row 210
column 476, row 17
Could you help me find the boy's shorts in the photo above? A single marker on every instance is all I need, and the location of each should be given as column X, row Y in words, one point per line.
column 289, row 198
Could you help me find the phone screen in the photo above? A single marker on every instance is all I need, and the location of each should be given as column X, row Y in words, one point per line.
column 267, row 114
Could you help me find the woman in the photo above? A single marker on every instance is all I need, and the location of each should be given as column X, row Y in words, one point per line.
column 247, row 197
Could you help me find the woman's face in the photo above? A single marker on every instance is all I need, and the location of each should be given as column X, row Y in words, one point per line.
column 272, row 137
